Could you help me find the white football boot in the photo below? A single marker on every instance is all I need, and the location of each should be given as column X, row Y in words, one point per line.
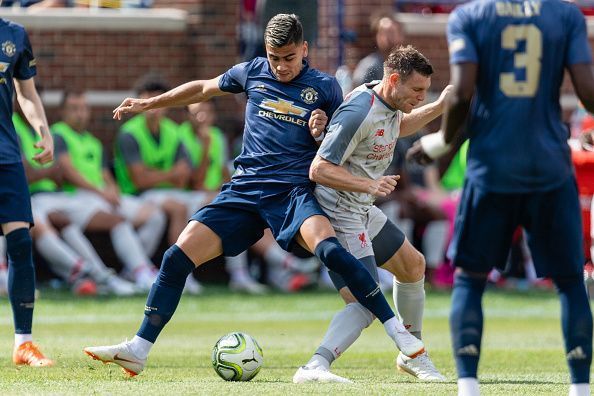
column 317, row 374
column 408, row 344
column 120, row 354
column 421, row 367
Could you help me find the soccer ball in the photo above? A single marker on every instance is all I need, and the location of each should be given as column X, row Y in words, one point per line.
column 237, row 357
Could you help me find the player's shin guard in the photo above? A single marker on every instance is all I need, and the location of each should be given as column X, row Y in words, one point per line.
column 466, row 323
column 165, row 293
column 576, row 322
column 356, row 276
column 21, row 279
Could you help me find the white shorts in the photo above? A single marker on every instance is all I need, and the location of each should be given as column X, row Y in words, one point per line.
column 80, row 207
column 355, row 231
column 193, row 200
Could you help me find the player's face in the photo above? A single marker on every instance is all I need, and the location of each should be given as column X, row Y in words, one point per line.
column 201, row 114
column 286, row 62
column 406, row 94
column 76, row 112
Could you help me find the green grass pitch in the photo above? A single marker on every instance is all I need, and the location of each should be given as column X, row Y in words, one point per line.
column 522, row 347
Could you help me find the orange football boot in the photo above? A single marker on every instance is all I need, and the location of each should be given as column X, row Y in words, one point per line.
column 30, row 355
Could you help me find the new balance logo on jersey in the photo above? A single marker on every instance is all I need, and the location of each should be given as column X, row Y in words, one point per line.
column 468, row 350
column 576, row 354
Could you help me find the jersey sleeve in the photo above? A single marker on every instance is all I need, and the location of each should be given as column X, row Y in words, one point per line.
column 344, row 131
column 578, row 50
column 460, row 44
column 234, row 79
column 129, row 149
column 334, row 99
column 25, row 66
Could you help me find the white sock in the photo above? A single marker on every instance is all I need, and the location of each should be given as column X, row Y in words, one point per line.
column 409, row 300
column 62, row 259
column 74, row 237
column 127, row 246
column 276, row 256
column 392, row 326
column 140, row 347
column 3, row 259
column 435, row 241
column 344, row 329
column 237, row 267
column 151, row 232
column 468, row 387
column 20, row 339
column 579, row 390
column 318, row 361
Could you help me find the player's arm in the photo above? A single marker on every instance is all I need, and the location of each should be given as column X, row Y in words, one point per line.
column 434, row 145
column 337, row 177
column 421, row 116
column 32, row 107
column 582, row 78
column 182, row 95
column 72, row 175
column 35, row 174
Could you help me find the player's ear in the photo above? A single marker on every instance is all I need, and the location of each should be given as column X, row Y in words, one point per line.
column 394, row 79
column 305, row 48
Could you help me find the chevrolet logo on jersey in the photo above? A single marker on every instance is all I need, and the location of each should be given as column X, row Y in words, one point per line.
column 282, row 106
column 283, row 110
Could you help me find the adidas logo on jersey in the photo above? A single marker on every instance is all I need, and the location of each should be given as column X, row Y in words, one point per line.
column 468, row 350
column 576, row 354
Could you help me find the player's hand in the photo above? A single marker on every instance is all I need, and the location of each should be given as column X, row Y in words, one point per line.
column 129, row 105
column 447, row 91
column 416, row 154
column 587, row 140
column 383, row 186
column 111, row 196
column 46, row 144
column 317, row 122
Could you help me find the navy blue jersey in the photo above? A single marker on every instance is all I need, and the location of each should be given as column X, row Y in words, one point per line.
column 277, row 144
column 16, row 61
column 518, row 142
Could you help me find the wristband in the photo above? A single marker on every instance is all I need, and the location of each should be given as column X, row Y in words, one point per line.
column 321, row 137
column 434, row 145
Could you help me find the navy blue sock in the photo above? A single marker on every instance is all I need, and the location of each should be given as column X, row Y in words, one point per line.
column 21, row 279
column 576, row 322
column 466, row 323
column 165, row 293
column 358, row 279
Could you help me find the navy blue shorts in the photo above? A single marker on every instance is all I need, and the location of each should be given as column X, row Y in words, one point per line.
column 240, row 214
column 486, row 221
column 15, row 201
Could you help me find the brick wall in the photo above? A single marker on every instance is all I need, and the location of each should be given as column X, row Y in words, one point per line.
column 113, row 60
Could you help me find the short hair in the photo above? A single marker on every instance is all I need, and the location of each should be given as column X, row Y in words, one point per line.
column 405, row 61
column 283, row 29
column 376, row 18
column 151, row 82
column 70, row 92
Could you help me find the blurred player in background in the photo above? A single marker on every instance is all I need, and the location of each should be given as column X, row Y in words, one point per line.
column 18, row 68
column 288, row 104
column 519, row 170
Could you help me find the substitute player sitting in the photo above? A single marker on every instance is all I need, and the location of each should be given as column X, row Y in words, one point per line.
column 349, row 169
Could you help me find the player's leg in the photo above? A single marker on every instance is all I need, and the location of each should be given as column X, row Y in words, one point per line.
column 15, row 219
column 175, row 210
column 394, row 253
column 563, row 261
column 201, row 240
column 148, row 220
column 3, row 268
column 296, row 216
column 483, row 234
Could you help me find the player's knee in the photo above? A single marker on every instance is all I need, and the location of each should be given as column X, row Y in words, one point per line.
column 18, row 245
column 336, row 258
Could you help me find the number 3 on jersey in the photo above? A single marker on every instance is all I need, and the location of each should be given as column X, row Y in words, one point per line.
column 529, row 59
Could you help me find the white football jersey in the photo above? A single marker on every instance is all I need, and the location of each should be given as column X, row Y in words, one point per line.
column 361, row 137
